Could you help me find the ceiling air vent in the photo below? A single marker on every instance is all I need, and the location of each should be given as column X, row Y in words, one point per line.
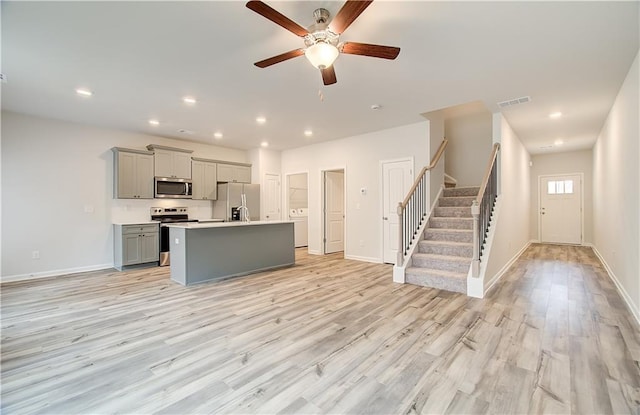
column 512, row 102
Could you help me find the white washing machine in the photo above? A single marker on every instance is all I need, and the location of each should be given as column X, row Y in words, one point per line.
column 300, row 218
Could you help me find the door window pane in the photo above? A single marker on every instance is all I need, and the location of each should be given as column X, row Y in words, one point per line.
column 568, row 186
column 559, row 187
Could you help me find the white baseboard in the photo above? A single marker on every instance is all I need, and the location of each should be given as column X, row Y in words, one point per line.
column 363, row 259
column 313, row 252
column 53, row 273
column 633, row 308
column 506, row 267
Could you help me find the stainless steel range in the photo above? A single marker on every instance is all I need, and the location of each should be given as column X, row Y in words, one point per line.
column 167, row 216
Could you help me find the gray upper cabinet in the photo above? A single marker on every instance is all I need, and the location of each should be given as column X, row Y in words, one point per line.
column 234, row 173
column 133, row 174
column 204, row 179
column 171, row 162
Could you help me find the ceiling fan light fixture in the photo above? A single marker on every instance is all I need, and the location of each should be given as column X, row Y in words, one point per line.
column 321, row 54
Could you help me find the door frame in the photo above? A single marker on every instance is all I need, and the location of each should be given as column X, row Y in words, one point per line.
column 542, row 176
column 285, row 194
column 381, row 184
column 323, row 216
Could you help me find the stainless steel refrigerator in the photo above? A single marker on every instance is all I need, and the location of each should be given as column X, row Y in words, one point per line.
column 230, row 199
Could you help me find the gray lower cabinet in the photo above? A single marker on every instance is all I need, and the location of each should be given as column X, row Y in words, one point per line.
column 136, row 244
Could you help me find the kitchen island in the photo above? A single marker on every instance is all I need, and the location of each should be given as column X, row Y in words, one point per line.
column 202, row 252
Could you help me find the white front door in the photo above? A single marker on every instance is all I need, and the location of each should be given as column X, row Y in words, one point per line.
column 334, row 211
column 560, row 210
column 271, row 194
column 397, row 178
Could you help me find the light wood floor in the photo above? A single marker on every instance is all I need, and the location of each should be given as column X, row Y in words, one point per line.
column 326, row 336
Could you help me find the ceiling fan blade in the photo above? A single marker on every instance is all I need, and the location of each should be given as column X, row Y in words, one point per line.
column 347, row 14
column 365, row 49
column 329, row 75
column 279, row 58
column 276, row 17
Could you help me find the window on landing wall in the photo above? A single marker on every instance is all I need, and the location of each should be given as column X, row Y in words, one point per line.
column 559, row 187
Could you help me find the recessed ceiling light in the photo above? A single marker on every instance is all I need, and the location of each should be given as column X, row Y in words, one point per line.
column 558, row 142
column 308, row 133
column 261, row 120
column 154, row 122
column 264, row 144
column 376, row 107
column 217, row 135
column 555, row 115
column 189, row 100
column 84, row 92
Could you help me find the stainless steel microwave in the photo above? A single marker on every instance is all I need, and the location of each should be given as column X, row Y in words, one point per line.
column 172, row 188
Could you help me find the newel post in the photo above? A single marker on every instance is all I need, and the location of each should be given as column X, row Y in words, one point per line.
column 475, row 263
column 400, row 256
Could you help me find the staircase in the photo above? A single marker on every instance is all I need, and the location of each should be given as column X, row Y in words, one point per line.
column 443, row 256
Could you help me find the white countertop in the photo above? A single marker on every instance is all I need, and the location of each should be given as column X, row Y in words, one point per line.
column 148, row 222
column 203, row 225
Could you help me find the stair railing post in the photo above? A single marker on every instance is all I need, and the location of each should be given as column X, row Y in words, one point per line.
column 475, row 262
column 400, row 256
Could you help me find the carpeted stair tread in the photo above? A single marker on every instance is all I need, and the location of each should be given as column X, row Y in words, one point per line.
column 442, row 280
column 462, row 201
column 450, row 243
column 448, row 235
column 428, row 271
column 436, row 222
column 452, row 212
column 461, row 191
column 451, row 248
column 442, row 257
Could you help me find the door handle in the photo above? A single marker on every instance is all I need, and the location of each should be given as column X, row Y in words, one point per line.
column 385, row 218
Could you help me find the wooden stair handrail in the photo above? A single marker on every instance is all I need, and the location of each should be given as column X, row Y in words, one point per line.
column 434, row 163
column 487, row 173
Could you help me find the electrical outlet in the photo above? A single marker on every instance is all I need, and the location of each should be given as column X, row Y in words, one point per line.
column 177, row 241
column 35, row 255
column 361, row 242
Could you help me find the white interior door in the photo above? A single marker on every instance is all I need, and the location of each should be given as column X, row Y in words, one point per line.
column 271, row 194
column 561, row 209
column 397, row 178
column 334, row 211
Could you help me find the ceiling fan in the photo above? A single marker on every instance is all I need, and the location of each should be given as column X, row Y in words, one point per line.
column 322, row 39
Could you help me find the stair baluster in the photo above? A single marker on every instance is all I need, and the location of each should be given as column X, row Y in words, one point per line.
column 413, row 210
column 482, row 209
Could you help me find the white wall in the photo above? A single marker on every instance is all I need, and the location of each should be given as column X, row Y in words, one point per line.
column 263, row 161
column 616, row 190
column 52, row 172
column 563, row 163
column 436, row 175
column 469, row 147
column 512, row 222
column 360, row 156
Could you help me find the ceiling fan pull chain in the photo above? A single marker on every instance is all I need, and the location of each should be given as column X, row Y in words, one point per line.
column 320, row 95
